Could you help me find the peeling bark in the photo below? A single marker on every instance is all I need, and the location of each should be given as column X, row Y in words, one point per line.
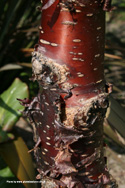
column 68, row 112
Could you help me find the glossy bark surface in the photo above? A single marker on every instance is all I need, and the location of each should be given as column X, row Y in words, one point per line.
column 73, row 34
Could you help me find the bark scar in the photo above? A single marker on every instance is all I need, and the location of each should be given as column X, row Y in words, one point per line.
column 47, row 70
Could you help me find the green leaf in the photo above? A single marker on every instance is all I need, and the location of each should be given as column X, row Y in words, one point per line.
column 9, row 106
column 15, row 154
column 6, row 176
column 4, row 136
column 6, row 172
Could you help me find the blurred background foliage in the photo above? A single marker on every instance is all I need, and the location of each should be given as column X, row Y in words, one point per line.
column 19, row 32
column 115, row 45
column 19, row 21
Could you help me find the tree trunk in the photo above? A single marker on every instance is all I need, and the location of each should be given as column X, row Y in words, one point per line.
column 68, row 112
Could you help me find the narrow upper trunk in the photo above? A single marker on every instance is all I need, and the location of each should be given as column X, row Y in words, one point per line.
column 68, row 112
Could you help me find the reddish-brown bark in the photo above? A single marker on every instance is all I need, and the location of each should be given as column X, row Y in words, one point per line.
column 68, row 112
column 79, row 36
